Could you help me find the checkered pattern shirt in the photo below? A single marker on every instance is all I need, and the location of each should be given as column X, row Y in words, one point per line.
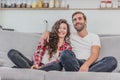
column 39, row 53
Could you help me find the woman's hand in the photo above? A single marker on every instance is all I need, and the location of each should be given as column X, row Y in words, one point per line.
column 35, row 66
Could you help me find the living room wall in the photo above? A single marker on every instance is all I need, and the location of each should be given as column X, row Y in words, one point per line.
column 99, row 21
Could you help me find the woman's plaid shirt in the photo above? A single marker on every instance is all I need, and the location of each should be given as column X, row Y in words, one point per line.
column 39, row 53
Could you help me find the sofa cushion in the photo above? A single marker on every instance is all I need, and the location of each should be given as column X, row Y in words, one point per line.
column 81, row 76
column 4, row 60
column 110, row 46
column 26, row 43
column 21, row 74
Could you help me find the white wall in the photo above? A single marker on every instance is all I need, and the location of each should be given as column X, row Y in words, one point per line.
column 99, row 21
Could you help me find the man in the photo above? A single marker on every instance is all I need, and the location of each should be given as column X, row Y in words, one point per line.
column 86, row 47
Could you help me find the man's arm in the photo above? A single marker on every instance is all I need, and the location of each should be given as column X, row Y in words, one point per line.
column 45, row 37
column 94, row 56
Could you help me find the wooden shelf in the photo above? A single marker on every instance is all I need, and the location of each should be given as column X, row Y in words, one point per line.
column 34, row 8
column 94, row 9
column 84, row 9
column 59, row 8
column 109, row 8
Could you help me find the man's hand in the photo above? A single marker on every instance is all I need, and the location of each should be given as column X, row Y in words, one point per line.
column 45, row 37
column 93, row 57
column 84, row 68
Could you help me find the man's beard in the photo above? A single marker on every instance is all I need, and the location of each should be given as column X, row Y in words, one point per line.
column 81, row 28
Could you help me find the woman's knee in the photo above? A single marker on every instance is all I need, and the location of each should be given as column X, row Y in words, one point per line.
column 11, row 53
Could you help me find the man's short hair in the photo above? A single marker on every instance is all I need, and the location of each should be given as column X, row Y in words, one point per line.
column 78, row 12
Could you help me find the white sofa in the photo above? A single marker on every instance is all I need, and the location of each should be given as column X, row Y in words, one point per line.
column 27, row 42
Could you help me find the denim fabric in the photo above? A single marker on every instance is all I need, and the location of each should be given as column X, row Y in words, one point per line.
column 19, row 59
column 52, row 66
column 68, row 60
column 71, row 63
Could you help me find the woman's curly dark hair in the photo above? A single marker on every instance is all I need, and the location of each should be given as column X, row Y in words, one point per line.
column 54, row 38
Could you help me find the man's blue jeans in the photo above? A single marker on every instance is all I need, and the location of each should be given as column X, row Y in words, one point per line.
column 71, row 63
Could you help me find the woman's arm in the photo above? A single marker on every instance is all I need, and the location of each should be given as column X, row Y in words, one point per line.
column 38, row 55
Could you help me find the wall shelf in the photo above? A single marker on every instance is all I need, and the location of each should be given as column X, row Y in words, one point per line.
column 59, row 8
column 94, row 9
column 109, row 8
column 34, row 8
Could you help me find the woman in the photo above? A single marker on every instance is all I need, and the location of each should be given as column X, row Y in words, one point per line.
column 47, row 55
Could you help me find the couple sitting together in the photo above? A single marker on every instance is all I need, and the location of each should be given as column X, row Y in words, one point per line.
column 60, row 49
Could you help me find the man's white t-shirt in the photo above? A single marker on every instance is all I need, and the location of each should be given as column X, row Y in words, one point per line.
column 82, row 46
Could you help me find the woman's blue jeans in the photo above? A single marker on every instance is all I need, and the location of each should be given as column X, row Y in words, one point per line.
column 21, row 61
column 71, row 63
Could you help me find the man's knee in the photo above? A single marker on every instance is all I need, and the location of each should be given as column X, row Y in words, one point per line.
column 66, row 53
column 112, row 60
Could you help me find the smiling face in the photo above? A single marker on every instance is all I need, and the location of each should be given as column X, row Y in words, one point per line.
column 62, row 31
column 79, row 22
